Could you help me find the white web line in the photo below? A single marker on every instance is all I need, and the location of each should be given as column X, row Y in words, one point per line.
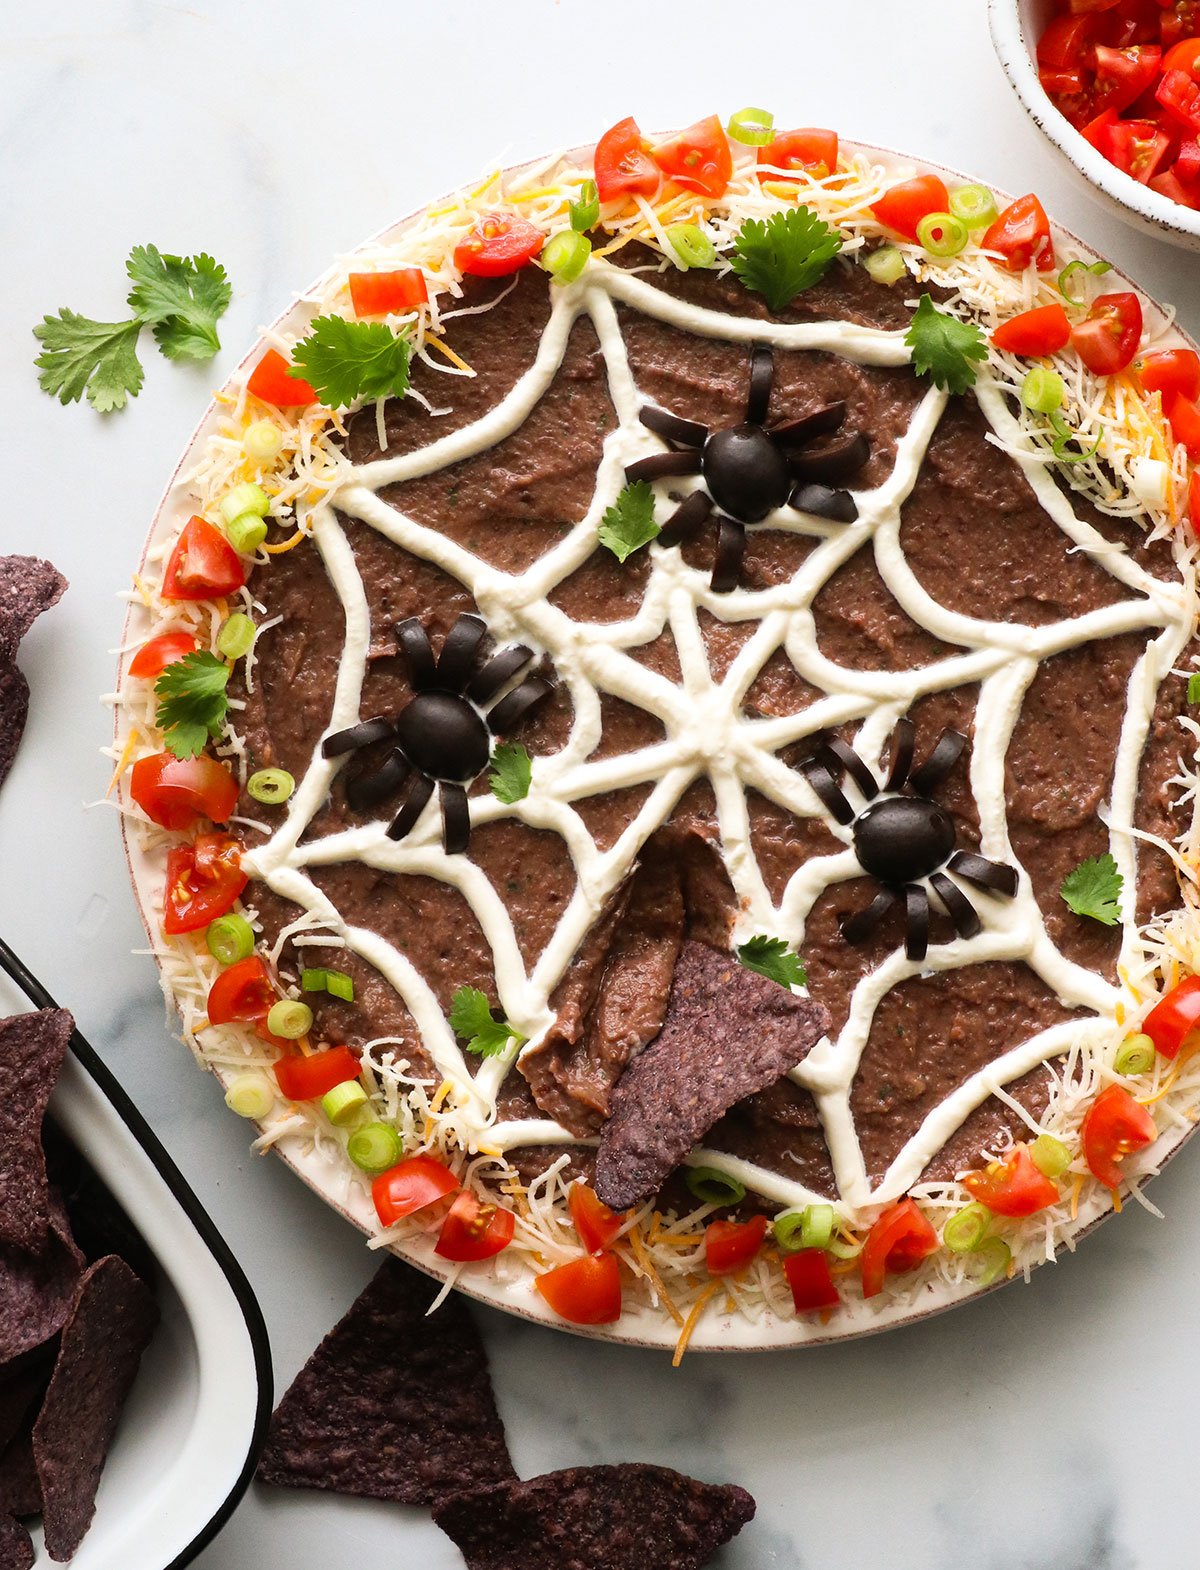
column 707, row 732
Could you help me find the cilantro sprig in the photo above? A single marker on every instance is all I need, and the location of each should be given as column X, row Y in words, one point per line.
column 472, row 1020
column 944, row 348
column 629, row 522
column 785, row 255
column 345, row 361
column 511, row 773
column 180, row 298
column 1094, row 890
column 771, row 957
column 192, row 702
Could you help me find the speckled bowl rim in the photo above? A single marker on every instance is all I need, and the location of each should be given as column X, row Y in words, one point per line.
column 640, row 1326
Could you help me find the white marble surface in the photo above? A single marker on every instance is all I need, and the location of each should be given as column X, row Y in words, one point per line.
column 1048, row 1425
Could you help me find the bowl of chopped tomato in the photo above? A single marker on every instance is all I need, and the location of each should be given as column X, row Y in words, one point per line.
column 1114, row 85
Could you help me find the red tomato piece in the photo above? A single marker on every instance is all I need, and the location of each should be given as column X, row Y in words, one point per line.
column 586, row 1291
column 1169, row 184
column 1113, row 1126
column 899, row 1241
column 1083, row 7
column 271, row 381
column 1184, row 417
column 596, row 1224
column 813, row 150
column 179, row 793
column 731, row 1245
column 1021, row 235
column 203, row 881
column 1137, row 147
column 1187, row 164
column 1095, row 131
column 1179, row 22
column 1179, row 94
column 1107, row 338
column 387, row 294
column 203, row 564
column 1065, row 44
column 1123, row 75
column 1175, row 1016
column 699, row 159
column 1013, row 1187
column 244, row 992
column 624, row 166
column 1170, row 371
column 1185, row 57
column 153, row 658
column 810, row 1279
column 409, row 1186
column 902, row 206
column 1062, row 83
column 499, row 244
column 305, row 1078
column 474, row 1229
column 1045, row 330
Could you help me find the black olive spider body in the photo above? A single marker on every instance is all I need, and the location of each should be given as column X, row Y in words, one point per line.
column 750, row 470
column 903, row 837
column 443, row 735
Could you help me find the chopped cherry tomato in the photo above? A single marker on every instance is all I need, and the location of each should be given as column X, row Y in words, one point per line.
column 1083, row 7
column 1021, row 235
column 1113, row 1126
column 153, row 658
column 1174, row 1017
column 1179, row 22
column 1062, row 84
column 1184, row 417
column 809, row 1277
column 1187, row 165
column 410, row 1186
column 244, row 992
column 1184, row 56
column 1194, row 500
column 902, row 206
column 387, row 294
column 203, row 564
column 271, row 381
column 1137, row 147
column 1123, row 75
column 596, row 1224
column 1169, row 184
column 1095, row 131
column 731, row 1245
column 1045, row 330
column 499, row 244
column 813, row 150
column 1170, row 371
column 474, row 1229
column 1107, row 338
column 699, row 159
column 1179, row 94
column 203, row 881
column 586, row 1291
column 1013, row 1187
column 899, row 1241
column 305, row 1078
column 624, row 166
column 1066, row 43
column 179, row 793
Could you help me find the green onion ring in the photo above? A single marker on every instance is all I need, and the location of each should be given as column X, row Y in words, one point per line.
column 996, row 1256
column 1135, row 1055
column 942, row 234
column 974, row 205
column 752, row 127
column 1042, row 390
column 236, row 636
column 964, row 1231
column 585, row 212
column 246, row 532
column 885, row 264
column 245, row 498
column 290, row 1019
column 713, row 1187
column 374, row 1148
column 344, row 1102
column 1064, row 435
column 229, row 939
column 250, row 1096
column 1049, row 1155
column 271, row 786
column 1097, row 270
column 691, row 245
column 565, row 255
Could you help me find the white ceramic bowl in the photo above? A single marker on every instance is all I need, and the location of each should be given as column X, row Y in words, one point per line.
column 1016, row 27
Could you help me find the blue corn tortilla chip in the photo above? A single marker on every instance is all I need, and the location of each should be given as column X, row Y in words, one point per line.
column 98, row 1224
column 102, row 1343
column 28, row 586
column 37, row 1287
column 392, row 1404
column 728, row 1032
column 32, row 1048
column 16, row 1547
column 14, row 711
column 20, row 1491
column 629, row 1517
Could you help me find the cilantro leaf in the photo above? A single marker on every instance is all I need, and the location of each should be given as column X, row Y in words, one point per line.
column 1094, row 889
column 192, row 702
column 511, row 773
column 772, row 958
column 629, row 522
column 80, row 355
column 471, row 1018
column 943, row 347
column 784, row 255
column 181, row 297
column 345, row 360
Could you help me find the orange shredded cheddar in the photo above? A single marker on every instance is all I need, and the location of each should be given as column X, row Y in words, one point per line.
column 1186, row 1053
column 444, row 348
column 286, row 545
column 126, row 758
column 652, row 1275
column 693, row 1319
column 1076, row 1190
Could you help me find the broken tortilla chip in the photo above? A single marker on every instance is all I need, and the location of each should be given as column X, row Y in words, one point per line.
column 16, row 1546
column 37, row 1287
column 14, row 711
column 32, row 1048
column 28, row 586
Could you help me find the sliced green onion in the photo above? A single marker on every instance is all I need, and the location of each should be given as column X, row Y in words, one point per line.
column 713, row 1187
column 335, row 982
column 262, row 441
column 246, row 532
column 885, row 264
column 1049, row 1155
column 374, row 1148
column 996, row 1256
column 271, row 786
column 343, row 1103
column 585, row 212
column 250, row 1096
column 788, row 1227
column 236, row 637
column 1042, row 390
column 942, row 234
column 1064, row 435
column 842, row 1248
column 245, row 498
column 1135, row 1055
column 974, row 205
column 811, row 1227
column 229, row 939
column 691, row 245
column 1193, row 692
column 565, row 255
column 290, row 1019
column 1097, row 270
column 965, row 1228
column 752, row 127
